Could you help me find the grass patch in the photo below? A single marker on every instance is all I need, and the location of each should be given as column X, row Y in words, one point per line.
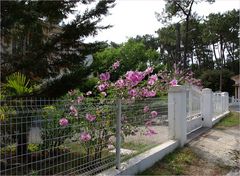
column 232, row 119
column 184, row 162
column 137, row 147
column 173, row 164
column 134, row 146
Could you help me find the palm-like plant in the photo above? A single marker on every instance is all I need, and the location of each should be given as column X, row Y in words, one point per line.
column 17, row 84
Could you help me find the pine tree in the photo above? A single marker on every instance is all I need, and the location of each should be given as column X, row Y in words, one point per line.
column 41, row 43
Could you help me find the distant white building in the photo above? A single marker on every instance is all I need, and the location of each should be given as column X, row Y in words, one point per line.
column 236, row 78
column 88, row 60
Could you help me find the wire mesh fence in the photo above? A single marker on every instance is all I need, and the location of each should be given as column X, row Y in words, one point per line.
column 145, row 124
column 55, row 137
column 59, row 137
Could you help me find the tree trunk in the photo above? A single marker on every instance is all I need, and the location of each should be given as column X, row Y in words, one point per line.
column 178, row 38
column 192, row 59
column 221, row 60
column 186, row 43
column 230, row 53
column 214, row 52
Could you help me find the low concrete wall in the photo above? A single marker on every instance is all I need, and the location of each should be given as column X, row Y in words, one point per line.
column 218, row 118
column 143, row 161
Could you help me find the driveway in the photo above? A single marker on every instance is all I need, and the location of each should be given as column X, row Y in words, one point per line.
column 218, row 146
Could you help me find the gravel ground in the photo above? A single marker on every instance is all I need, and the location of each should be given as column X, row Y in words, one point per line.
column 161, row 136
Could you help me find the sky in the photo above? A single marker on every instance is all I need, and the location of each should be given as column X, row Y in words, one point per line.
column 137, row 17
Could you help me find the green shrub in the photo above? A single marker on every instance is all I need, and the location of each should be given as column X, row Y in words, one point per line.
column 33, row 147
column 17, row 85
column 8, row 149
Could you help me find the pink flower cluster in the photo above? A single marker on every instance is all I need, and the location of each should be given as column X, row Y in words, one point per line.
column 146, row 109
column 174, row 82
column 85, row 136
column 148, row 71
column 103, row 86
column 130, row 80
column 105, row 76
column 150, row 131
column 152, row 79
column 80, row 99
column 116, row 65
column 90, row 117
column 178, row 76
column 120, row 83
column 154, row 114
column 63, row 122
column 73, row 111
column 132, row 92
column 148, row 93
column 134, row 77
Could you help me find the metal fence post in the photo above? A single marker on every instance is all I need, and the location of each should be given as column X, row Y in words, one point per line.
column 118, row 134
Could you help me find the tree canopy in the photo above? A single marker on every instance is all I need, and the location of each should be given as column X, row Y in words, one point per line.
column 38, row 43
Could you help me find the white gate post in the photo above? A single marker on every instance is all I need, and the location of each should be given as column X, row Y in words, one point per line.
column 177, row 115
column 207, row 107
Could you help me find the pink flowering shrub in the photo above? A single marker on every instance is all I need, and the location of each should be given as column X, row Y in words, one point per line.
column 178, row 77
column 56, row 122
column 95, row 116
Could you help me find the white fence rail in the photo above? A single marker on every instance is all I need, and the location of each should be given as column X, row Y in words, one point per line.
column 220, row 104
column 194, row 114
column 194, row 108
column 234, row 101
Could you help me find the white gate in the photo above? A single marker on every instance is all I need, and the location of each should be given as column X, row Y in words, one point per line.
column 194, row 115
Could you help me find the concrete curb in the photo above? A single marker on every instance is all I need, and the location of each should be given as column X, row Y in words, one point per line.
column 144, row 160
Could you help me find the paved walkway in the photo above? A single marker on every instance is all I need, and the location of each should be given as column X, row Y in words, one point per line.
column 235, row 108
column 219, row 146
